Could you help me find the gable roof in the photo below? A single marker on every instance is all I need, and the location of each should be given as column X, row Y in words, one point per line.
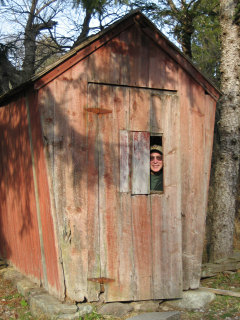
column 94, row 42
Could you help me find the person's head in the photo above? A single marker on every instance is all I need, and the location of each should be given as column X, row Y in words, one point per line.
column 156, row 159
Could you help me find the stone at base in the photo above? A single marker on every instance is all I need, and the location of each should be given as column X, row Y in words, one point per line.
column 192, row 299
column 25, row 287
column 49, row 306
column 116, row 309
column 173, row 315
column 74, row 316
column 146, row 306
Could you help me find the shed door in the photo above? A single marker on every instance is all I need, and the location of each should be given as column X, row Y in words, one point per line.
column 134, row 239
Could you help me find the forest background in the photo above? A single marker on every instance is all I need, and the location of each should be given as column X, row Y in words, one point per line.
column 36, row 33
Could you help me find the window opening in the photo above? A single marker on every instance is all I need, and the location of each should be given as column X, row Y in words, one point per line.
column 156, row 164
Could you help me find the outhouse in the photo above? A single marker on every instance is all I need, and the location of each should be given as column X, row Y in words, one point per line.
column 77, row 213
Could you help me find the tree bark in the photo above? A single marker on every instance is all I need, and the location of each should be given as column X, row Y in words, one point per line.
column 225, row 170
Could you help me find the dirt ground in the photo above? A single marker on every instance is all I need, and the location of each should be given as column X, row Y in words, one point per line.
column 14, row 306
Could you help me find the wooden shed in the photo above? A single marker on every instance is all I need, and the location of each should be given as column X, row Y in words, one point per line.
column 77, row 212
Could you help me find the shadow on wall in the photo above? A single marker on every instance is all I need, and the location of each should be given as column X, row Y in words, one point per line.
column 74, row 141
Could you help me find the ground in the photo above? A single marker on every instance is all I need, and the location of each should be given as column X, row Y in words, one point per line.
column 14, row 306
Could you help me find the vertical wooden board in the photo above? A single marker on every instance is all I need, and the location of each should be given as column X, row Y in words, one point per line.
column 45, row 159
column 171, row 202
column 171, row 72
column 143, row 79
column 121, row 106
column 64, row 126
column 58, row 134
column 156, row 112
column 49, row 224
column 138, row 56
column 124, row 161
column 158, row 246
column 198, row 214
column 125, row 40
column 11, row 187
column 142, row 247
column 172, row 243
column 140, row 163
column 27, row 223
column 127, row 289
column 209, row 134
column 171, row 141
column 115, row 210
column 108, row 187
column 54, row 130
column 134, row 55
column 192, row 140
column 46, row 106
column 157, row 72
column 114, row 50
column 163, row 71
column 77, row 209
column 70, row 161
column 187, row 197
column 98, row 62
column 94, row 270
column 3, row 190
column 139, row 110
column 5, row 183
column 14, row 199
column 19, row 223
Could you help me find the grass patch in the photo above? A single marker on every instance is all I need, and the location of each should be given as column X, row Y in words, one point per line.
column 223, row 307
column 92, row 316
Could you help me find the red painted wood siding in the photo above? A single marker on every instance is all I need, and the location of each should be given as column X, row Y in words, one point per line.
column 52, row 257
column 19, row 227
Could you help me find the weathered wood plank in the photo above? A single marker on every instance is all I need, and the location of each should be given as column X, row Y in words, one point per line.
column 186, row 128
column 108, row 187
column 142, row 242
column 156, row 112
column 140, row 110
column 222, row 292
column 124, row 161
column 209, row 133
column 158, row 246
column 19, row 226
column 127, row 286
column 140, row 163
column 76, row 205
column 196, row 223
column 48, row 226
column 169, row 201
column 94, row 270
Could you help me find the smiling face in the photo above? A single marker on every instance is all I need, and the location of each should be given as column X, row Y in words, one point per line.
column 156, row 162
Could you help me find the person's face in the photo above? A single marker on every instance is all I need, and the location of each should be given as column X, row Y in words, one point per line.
column 156, row 162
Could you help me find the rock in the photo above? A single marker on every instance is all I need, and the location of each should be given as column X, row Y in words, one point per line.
column 146, row 306
column 47, row 305
column 12, row 275
column 74, row 316
column 173, row 315
column 84, row 309
column 192, row 299
column 116, row 309
column 25, row 287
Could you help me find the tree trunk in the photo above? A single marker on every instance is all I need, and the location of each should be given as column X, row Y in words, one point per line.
column 225, row 171
column 85, row 28
column 30, row 43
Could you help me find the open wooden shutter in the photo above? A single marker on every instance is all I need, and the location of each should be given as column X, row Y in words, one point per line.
column 140, row 163
column 134, row 154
